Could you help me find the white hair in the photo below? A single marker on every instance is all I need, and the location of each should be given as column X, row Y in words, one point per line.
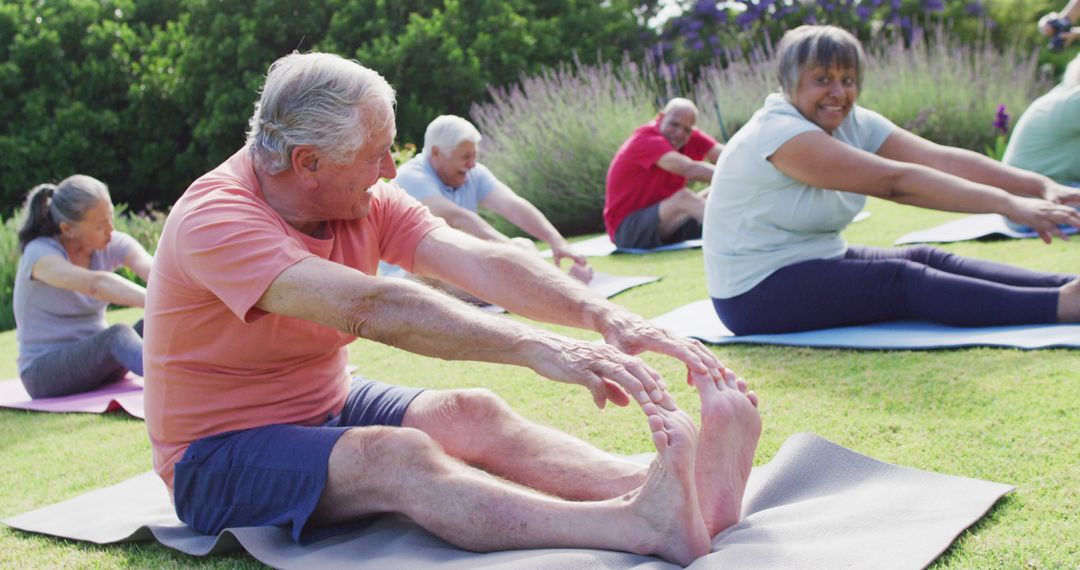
column 1071, row 76
column 446, row 132
column 680, row 103
column 315, row 99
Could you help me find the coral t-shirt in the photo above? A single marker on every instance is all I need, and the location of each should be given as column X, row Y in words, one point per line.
column 214, row 363
column 634, row 181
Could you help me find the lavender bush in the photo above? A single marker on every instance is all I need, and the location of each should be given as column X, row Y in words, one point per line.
column 552, row 136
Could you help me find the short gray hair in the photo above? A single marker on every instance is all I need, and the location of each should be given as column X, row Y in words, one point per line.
column 313, row 99
column 680, row 103
column 824, row 46
column 47, row 205
column 1071, row 76
column 446, row 132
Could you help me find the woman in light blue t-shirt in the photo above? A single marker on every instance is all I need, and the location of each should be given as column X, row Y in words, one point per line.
column 65, row 281
column 799, row 171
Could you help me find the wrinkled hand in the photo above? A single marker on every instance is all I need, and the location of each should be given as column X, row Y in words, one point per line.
column 580, row 269
column 1043, row 217
column 634, row 335
column 609, row 374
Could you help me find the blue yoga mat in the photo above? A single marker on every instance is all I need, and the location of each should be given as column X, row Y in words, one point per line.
column 698, row 320
column 971, row 228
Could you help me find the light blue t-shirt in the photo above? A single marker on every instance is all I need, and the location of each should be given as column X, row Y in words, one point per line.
column 48, row 317
column 419, row 179
column 1047, row 136
column 758, row 219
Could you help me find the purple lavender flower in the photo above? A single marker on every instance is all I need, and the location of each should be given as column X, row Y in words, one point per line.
column 933, row 5
column 745, row 19
column 974, row 8
column 1001, row 120
column 863, row 12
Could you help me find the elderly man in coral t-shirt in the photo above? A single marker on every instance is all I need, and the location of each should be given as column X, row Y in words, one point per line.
column 647, row 203
column 265, row 272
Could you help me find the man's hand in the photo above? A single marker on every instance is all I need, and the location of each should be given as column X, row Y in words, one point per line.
column 633, row 335
column 609, row 374
column 580, row 268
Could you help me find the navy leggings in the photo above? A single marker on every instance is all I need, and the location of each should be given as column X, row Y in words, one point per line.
column 86, row 364
column 873, row 284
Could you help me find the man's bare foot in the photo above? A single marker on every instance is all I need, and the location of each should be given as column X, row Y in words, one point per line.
column 668, row 500
column 730, row 428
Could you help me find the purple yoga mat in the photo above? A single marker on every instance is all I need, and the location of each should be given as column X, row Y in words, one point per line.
column 126, row 394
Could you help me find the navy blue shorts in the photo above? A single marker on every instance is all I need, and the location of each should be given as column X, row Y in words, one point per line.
column 274, row 475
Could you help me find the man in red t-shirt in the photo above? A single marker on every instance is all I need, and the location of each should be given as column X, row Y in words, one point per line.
column 265, row 273
column 647, row 203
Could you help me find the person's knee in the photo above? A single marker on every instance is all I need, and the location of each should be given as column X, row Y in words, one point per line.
column 475, row 406
column 124, row 333
column 925, row 254
column 396, row 447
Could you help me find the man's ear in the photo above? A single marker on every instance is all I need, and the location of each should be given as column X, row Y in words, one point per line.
column 305, row 163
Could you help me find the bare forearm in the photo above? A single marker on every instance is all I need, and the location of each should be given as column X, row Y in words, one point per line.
column 701, row 171
column 533, row 222
column 524, row 284
column 412, row 317
column 475, row 226
column 929, row 188
column 984, row 170
column 115, row 289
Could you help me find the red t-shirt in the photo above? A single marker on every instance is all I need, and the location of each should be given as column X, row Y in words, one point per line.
column 634, row 181
column 216, row 363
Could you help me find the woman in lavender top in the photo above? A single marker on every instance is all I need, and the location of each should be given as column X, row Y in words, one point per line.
column 63, row 285
column 800, row 170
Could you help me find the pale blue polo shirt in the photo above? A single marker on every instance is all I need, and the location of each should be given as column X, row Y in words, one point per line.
column 420, row 181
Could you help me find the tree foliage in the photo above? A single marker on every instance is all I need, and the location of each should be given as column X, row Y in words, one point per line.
column 146, row 95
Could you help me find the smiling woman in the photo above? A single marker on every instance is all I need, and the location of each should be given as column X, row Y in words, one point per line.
column 800, row 170
column 64, row 283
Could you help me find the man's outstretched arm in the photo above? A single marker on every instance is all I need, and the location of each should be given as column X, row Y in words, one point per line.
column 528, row 286
column 418, row 319
column 523, row 214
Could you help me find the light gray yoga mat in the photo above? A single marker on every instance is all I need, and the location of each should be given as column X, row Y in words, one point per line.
column 968, row 228
column 602, row 283
column 815, row 505
column 698, row 320
column 602, row 245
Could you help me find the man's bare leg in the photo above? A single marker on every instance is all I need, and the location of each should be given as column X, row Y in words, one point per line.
column 730, row 428
column 478, row 428
column 385, row 469
column 681, row 206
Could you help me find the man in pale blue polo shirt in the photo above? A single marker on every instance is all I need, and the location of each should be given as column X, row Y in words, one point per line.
column 447, row 179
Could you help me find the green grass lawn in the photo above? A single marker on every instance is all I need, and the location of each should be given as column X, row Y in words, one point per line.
column 1004, row 415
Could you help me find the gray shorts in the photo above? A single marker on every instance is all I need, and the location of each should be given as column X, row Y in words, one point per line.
column 641, row 230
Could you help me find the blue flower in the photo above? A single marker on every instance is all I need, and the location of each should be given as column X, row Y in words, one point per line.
column 863, row 13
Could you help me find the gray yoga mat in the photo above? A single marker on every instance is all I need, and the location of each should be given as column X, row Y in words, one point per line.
column 815, row 505
column 698, row 320
column 969, row 228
